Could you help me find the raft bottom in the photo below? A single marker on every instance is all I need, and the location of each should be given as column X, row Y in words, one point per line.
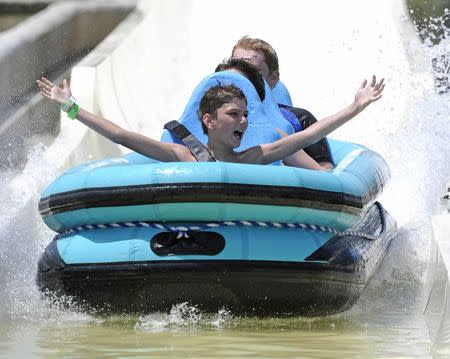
column 242, row 287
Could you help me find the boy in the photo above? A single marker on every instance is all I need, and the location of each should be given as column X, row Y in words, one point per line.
column 223, row 113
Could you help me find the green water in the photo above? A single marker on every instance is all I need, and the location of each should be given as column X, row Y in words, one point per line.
column 181, row 335
column 427, row 16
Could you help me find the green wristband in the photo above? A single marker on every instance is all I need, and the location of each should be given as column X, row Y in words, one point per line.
column 68, row 104
column 73, row 111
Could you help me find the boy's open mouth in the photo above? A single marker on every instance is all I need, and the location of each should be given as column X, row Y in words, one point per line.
column 238, row 134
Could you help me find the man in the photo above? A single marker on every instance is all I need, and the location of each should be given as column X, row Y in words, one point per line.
column 263, row 56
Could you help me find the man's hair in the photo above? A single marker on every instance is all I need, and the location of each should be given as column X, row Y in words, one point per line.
column 215, row 97
column 248, row 70
column 270, row 55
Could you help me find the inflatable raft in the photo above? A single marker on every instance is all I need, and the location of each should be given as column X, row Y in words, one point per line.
column 139, row 235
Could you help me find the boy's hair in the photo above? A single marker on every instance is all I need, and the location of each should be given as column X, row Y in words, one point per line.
column 215, row 97
column 248, row 70
column 270, row 55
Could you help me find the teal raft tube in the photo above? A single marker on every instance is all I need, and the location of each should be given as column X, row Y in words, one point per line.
column 139, row 235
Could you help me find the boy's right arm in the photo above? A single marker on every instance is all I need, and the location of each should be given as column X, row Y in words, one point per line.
column 161, row 151
column 166, row 152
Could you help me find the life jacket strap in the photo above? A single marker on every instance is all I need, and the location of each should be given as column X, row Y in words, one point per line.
column 198, row 150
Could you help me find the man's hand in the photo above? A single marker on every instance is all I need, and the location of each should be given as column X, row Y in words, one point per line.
column 54, row 93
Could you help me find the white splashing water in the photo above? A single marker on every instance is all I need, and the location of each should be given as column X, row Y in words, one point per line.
column 419, row 156
column 182, row 316
column 23, row 238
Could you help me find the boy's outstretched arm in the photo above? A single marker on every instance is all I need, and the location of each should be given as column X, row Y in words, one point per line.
column 286, row 146
column 166, row 152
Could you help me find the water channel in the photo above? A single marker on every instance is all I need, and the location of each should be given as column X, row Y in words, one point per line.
column 410, row 130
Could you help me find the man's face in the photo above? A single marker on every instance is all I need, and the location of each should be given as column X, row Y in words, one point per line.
column 257, row 59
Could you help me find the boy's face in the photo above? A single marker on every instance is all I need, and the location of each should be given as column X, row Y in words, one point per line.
column 229, row 125
column 257, row 59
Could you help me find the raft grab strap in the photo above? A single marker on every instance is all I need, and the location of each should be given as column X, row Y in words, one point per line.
column 197, row 148
column 183, row 230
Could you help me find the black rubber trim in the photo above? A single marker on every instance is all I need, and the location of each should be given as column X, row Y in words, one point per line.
column 209, row 266
column 50, row 259
column 288, row 196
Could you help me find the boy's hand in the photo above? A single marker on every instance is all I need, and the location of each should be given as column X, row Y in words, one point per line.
column 367, row 94
column 53, row 92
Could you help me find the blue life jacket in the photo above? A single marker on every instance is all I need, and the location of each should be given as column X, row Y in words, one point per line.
column 293, row 120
